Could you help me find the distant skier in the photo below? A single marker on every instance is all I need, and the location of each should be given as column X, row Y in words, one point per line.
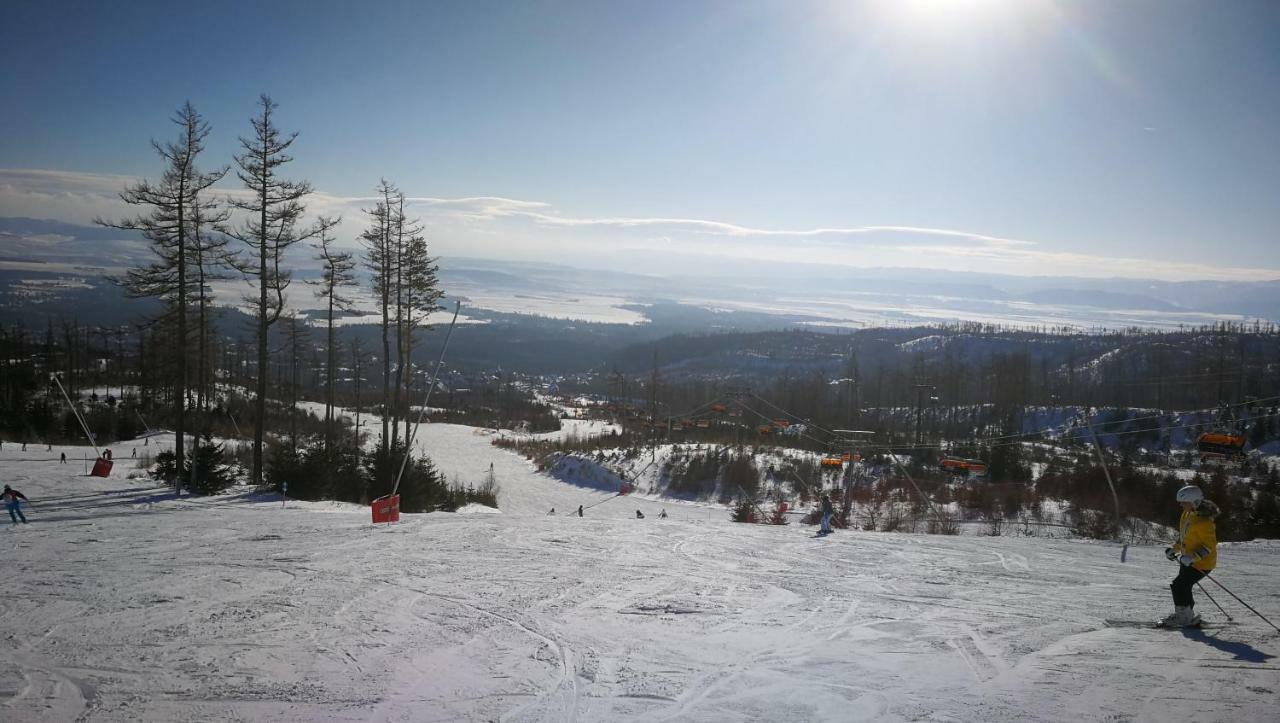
column 1196, row 551
column 552, row 512
column 639, row 515
column 64, row 458
column 579, row 510
column 663, row 514
column 827, row 511
column 135, row 453
column 11, row 497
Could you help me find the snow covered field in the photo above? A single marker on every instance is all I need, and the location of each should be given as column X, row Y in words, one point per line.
column 121, row 603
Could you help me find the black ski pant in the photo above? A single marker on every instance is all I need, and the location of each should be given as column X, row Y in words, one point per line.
column 1181, row 586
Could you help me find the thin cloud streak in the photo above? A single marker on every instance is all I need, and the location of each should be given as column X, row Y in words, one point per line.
column 504, row 227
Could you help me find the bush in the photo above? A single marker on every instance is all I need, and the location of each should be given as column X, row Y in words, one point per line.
column 314, row 475
column 943, row 524
column 212, row 473
column 1094, row 525
column 778, row 515
column 166, row 469
column 743, row 511
column 421, row 490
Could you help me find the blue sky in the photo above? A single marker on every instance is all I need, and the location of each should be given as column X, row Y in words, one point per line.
column 1123, row 138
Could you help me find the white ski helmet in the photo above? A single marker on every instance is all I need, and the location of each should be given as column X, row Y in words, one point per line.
column 1191, row 494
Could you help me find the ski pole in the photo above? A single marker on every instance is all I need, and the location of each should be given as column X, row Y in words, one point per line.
column 1215, row 602
column 1242, row 602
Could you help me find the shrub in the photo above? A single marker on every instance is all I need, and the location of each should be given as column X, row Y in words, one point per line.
column 212, row 474
column 743, row 511
column 943, row 524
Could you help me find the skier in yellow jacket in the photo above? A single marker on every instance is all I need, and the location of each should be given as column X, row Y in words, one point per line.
column 1196, row 552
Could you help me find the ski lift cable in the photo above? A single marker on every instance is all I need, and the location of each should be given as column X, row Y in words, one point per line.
column 978, row 440
column 408, row 445
column 912, row 480
column 766, row 417
column 1069, row 424
column 791, row 415
column 1064, row 427
column 76, row 412
column 697, row 410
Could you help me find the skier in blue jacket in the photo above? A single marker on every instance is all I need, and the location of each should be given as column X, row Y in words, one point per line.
column 11, row 497
column 827, row 512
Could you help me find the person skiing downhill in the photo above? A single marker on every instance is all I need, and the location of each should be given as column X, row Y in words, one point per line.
column 11, row 497
column 826, row 515
column 1196, row 553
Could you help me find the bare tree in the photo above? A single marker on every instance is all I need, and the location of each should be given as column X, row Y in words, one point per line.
column 357, row 359
column 209, row 261
column 273, row 215
column 168, row 226
column 381, row 260
column 402, row 230
column 336, row 274
column 297, row 335
column 421, row 296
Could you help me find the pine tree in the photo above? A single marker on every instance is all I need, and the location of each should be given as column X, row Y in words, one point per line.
column 171, row 228
column 421, row 297
column 380, row 258
column 273, row 215
column 209, row 259
column 335, row 275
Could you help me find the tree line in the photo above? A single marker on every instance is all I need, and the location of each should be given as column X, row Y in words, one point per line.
column 197, row 234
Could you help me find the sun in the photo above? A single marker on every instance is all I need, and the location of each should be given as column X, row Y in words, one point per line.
column 947, row 11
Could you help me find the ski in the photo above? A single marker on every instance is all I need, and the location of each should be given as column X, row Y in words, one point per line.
column 1157, row 625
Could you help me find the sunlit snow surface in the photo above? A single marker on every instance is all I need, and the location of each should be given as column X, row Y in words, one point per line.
column 121, row 603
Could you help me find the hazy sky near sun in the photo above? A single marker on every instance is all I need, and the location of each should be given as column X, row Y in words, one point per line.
column 1126, row 138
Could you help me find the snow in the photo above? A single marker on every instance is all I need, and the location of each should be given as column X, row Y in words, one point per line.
column 122, row 603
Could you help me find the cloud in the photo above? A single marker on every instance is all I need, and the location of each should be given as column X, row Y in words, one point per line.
column 728, row 229
column 499, row 227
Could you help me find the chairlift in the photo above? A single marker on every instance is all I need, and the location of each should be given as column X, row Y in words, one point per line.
column 963, row 467
column 1221, row 443
column 1225, row 440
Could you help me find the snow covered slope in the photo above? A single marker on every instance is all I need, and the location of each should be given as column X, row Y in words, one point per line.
column 122, row 604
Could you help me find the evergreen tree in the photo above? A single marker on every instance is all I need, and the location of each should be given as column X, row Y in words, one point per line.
column 272, row 221
column 171, row 226
column 335, row 275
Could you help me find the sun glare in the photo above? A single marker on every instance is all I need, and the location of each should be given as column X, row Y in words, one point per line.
column 953, row 9
column 951, row 15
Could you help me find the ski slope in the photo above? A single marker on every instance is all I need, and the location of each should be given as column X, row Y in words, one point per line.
column 121, row 603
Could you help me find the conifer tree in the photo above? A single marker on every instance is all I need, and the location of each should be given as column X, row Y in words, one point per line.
column 335, row 275
column 272, row 223
column 380, row 258
column 170, row 227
